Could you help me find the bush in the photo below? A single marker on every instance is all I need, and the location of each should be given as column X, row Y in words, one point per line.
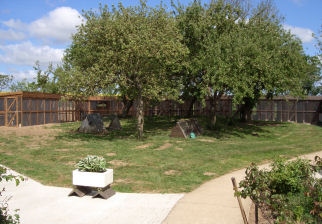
column 92, row 164
column 288, row 193
column 5, row 216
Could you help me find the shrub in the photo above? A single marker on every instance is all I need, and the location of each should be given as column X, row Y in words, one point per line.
column 92, row 164
column 288, row 193
column 5, row 216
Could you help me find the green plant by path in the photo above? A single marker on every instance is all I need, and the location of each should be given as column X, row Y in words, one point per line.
column 288, row 193
column 158, row 163
column 6, row 216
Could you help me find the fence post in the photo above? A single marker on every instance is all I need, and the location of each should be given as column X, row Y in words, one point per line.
column 239, row 201
column 256, row 214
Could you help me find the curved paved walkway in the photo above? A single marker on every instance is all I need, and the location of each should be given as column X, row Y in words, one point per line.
column 51, row 205
column 214, row 202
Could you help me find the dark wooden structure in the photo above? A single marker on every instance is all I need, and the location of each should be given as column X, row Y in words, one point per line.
column 81, row 191
column 183, row 128
column 27, row 108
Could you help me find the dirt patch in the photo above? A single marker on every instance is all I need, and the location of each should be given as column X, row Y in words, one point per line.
column 127, row 181
column 118, row 163
column 62, row 157
column 171, row 172
column 62, row 150
column 144, row 146
column 123, row 181
column 37, row 130
column 70, row 163
column 69, row 150
column 73, row 143
column 165, row 146
column 111, row 154
column 205, row 140
column 209, row 174
column 6, row 152
column 179, row 149
column 179, row 141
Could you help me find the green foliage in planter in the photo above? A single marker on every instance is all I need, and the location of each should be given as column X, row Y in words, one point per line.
column 288, row 193
column 92, row 164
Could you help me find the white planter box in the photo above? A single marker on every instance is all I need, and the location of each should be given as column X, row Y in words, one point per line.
column 92, row 179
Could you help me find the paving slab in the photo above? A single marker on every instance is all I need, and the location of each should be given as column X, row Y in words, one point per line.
column 51, row 205
column 214, row 202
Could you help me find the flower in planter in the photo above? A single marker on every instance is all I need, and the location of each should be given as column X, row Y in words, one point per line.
column 92, row 164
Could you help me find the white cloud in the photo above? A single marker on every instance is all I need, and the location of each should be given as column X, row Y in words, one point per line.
column 27, row 54
column 28, row 75
column 304, row 34
column 57, row 25
column 15, row 24
column 11, row 35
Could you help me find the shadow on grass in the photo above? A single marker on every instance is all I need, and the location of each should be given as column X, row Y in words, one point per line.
column 161, row 125
column 153, row 126
column 226, row 128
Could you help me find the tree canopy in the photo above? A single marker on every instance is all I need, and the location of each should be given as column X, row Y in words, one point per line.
column 138, row 48
column 241, row 51
column 199, row 51
column 5, row 81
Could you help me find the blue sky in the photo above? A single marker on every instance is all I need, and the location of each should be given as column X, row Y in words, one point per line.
column 41, row 29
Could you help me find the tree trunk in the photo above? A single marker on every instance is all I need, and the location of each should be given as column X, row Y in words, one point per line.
column 246, row 109
column 127, row 106
column 139, row 116
column 213, row 114
column 190, row 110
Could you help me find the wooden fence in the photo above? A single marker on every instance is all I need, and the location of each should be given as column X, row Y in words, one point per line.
column 25, row 109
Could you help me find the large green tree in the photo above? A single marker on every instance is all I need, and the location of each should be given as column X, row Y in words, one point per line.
column 242, row 51
column 267, row 60
column 209, row 32
column 138, row 48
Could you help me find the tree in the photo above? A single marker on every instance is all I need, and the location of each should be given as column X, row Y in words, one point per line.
column 209, row 31
column 24, row 85
column 5, row 81
column 267, row 60
column 138, row 48
column 312, row 84
column 47, row 81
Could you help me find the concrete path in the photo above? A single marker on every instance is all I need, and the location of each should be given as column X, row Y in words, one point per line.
column 51, row 205
column 214, row 202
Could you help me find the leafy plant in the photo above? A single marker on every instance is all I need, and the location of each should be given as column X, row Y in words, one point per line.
column 5, row 216
column 92, row 164
column 288, row 193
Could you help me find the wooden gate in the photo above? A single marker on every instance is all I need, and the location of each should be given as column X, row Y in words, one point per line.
column 11, row 111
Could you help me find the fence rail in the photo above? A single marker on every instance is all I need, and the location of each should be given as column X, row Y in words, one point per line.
column 25, row 109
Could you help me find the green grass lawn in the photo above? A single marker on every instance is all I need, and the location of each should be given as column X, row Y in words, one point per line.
column 158, row 163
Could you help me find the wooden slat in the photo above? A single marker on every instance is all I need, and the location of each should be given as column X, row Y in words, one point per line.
column 21, row 109
column 6, row 111
column 44, row 110
column 12, row 119
column 17, row 113
column 11, row 103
